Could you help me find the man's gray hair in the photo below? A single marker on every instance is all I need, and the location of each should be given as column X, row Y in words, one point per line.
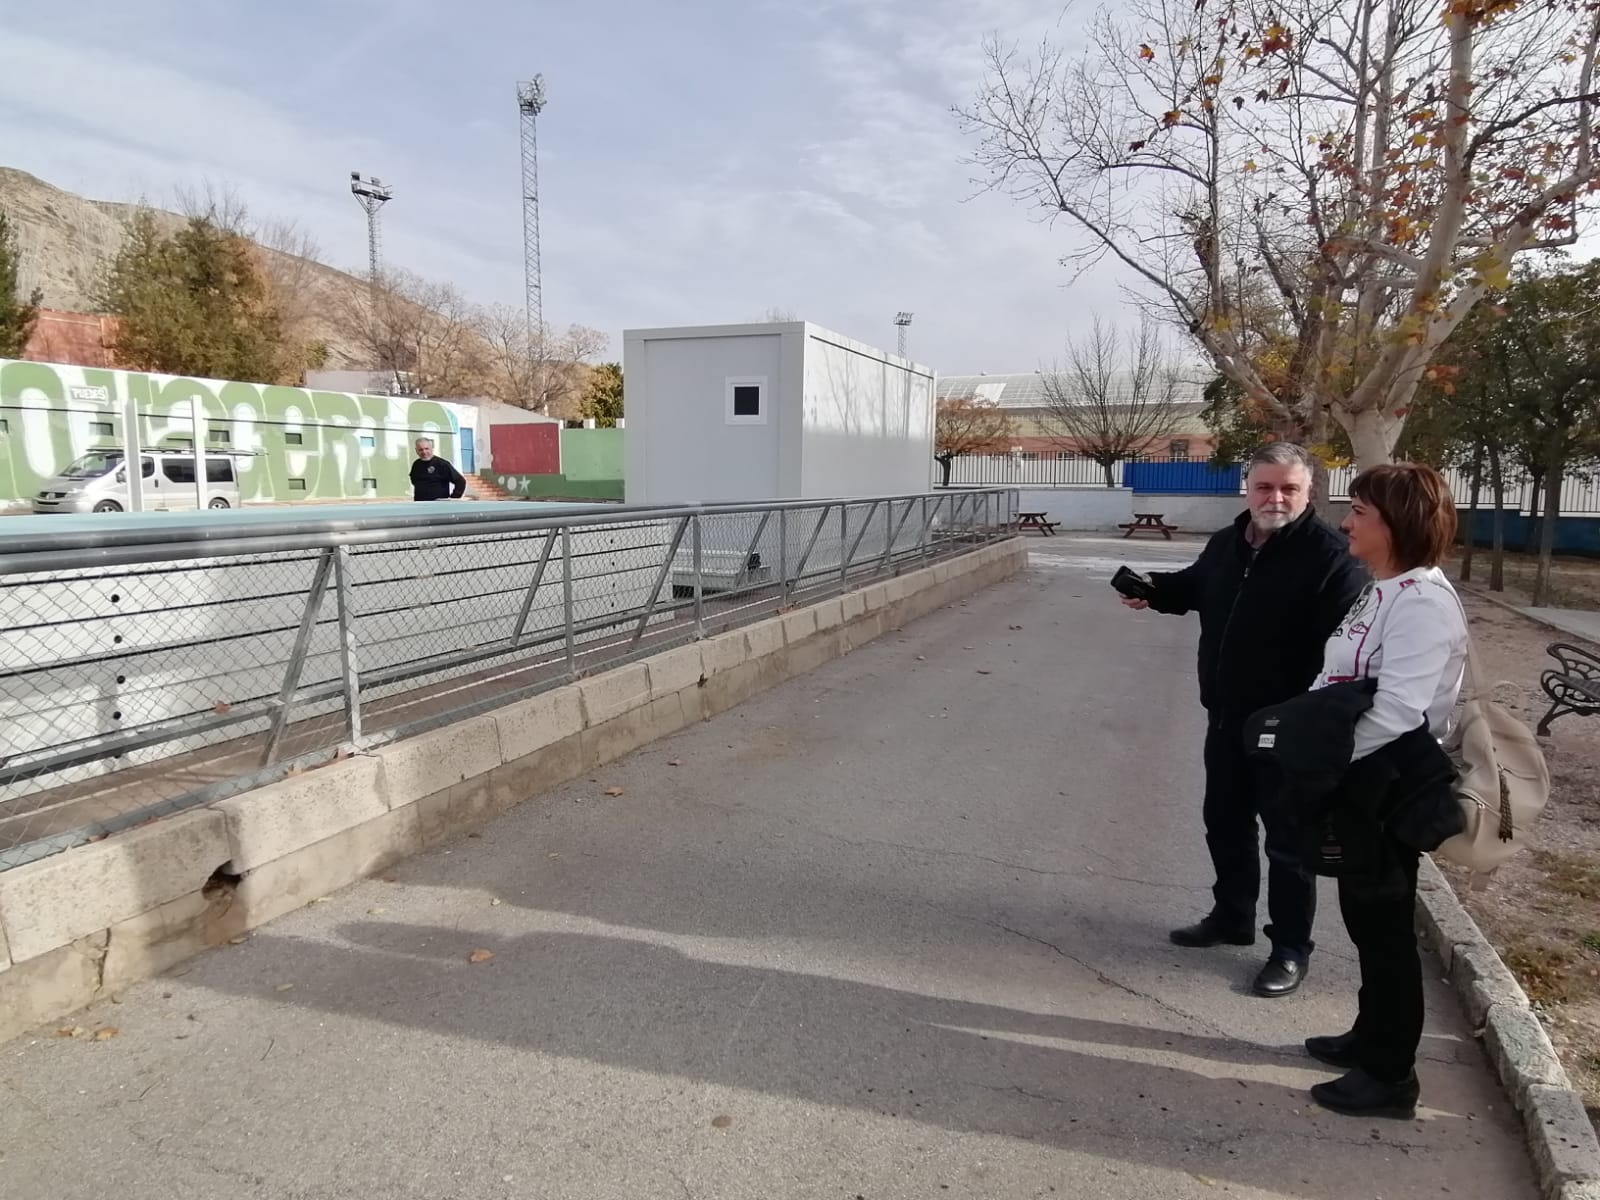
column 1282, row 454
column 424, row 441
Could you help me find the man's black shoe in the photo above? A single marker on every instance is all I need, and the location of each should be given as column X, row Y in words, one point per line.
column 1360, row 1095
column 1280, row 977
column 1335, row 1051
column 1208, row 931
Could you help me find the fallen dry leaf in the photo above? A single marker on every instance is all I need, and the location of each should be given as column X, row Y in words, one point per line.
column 70, row 1031
column 105, row 1033
column 238, row 941
column 674, row 762
column 286, row 987
column 495, row 902
column 296, row 769
column 981, row 671
column 221, row 706
column 721, row 1122
column 480, row 956
column 613, row 791
column 379, row 911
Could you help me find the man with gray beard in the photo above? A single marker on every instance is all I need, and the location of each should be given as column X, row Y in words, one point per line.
column 1269, row 590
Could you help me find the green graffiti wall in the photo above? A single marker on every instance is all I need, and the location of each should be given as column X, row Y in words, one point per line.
column 294, row 444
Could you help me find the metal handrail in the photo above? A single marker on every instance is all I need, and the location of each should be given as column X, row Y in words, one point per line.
column 124, row 720
column 217, row 537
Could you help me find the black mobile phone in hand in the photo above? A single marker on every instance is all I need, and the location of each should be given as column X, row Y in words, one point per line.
column 1133, row 585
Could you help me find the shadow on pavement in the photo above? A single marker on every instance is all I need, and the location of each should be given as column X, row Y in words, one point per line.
column 950, row 1064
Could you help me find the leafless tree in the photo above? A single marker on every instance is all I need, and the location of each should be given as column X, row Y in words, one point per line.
column 968, row 425
column 1115, row 397
column 422, row 335
column 1372, row 166
column 549, row 376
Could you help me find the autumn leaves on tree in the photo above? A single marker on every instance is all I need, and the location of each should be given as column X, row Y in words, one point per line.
column 1319, row 191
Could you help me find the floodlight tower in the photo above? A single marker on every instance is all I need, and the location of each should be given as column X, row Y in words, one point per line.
column 903, row 319
column 530, row 103
column 372, row 194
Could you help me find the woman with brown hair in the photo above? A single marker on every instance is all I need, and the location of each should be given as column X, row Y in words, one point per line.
column 1408, row 633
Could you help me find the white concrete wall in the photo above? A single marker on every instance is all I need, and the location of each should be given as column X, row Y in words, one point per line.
column 868, row 421
column 1080, row 509
column 1192, row 514
column 681, row 446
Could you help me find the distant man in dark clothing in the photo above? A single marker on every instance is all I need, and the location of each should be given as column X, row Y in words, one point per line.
column 1269, row 589
column 434, row 478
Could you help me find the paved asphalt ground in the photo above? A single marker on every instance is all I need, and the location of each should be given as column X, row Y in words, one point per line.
column 895, row 929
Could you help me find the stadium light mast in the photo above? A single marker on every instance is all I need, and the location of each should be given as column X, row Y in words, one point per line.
column 530, row 103
column 903, row 320
column 372, row 194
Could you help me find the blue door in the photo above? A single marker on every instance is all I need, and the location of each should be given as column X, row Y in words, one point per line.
column 467, row 454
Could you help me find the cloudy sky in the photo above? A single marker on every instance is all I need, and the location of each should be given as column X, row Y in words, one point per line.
column 701, row 160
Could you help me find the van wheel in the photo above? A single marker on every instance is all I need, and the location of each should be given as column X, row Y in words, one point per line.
column 108, row 506
column 217, row 502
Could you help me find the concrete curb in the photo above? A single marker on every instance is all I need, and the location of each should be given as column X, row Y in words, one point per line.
column 1561, row 1141
column 1477, row 593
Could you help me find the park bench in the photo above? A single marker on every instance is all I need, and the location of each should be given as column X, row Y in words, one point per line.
column 1575, row 688
column 1149, row 523
column 1035, row 520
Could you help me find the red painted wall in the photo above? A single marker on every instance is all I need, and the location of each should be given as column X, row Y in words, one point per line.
column 526, row 449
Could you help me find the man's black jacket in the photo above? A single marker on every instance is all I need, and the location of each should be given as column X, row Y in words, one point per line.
column 1351, row 818
column 1265, row 615
column 436, row 479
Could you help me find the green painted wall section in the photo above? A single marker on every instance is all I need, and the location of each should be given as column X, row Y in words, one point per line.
column 313, row 445
column 592, row 453
column 557, row 487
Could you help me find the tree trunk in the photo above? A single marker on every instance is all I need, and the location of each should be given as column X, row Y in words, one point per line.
column 1371, row 438
column 1535, row 509
column 1555, row 471
column 1106, row 469
column 945, row 462
column 1497, row 484
column 1468, row 544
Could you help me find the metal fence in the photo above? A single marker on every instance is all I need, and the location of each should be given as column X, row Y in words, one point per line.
column 1580, row 492
column 149, row 667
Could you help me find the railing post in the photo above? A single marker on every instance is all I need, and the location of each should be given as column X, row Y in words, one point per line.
column 566, row 599
column 783, row 558
column 699, row 581
column 297, row 654
column 888, row 533
column 922, row 538
column 844, row 544
column 347, row 646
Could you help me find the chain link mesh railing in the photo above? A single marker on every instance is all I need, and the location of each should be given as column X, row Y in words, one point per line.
column 149, row 669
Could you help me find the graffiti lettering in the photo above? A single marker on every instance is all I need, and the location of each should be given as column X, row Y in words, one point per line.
column 328, row 443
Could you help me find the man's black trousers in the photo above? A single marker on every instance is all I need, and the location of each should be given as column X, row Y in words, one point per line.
column 1231, row 810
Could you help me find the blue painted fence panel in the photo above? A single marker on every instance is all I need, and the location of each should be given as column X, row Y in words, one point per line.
column 1183, row 478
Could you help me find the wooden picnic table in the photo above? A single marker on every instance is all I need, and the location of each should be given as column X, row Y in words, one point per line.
column 1035, row 520
column 1149, row 523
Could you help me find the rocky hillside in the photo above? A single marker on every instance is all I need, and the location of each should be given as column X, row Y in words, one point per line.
column 66, row 242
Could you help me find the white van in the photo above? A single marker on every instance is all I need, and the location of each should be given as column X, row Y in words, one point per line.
column 98, row 482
